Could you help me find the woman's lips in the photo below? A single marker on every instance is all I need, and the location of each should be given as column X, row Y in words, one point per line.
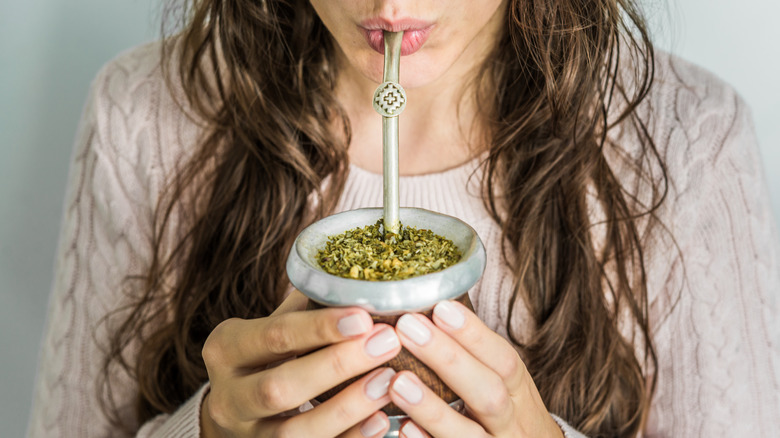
column 415, row 34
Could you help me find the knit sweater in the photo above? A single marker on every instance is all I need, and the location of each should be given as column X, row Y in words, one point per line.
column 713, row 318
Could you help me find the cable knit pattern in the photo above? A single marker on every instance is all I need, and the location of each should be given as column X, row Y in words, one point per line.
column 711, row 288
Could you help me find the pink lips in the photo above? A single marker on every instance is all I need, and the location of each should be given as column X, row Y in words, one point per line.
column 415, row 33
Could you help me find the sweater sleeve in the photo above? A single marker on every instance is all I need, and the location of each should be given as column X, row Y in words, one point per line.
column 105, row 238
column 715, row 322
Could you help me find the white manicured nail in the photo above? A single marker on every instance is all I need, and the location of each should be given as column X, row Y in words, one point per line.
column 375, row 424
column 450, row 314
column 415, row 330
column 354, row 325
column 376, row 388
column 382, row 342
column 411, row 431
column 408, row 389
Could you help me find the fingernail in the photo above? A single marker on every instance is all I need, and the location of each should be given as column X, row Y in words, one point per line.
column 409, row 430
column 376, row 388
column 408, row 389
column 382, row 342
column 354, row 325
column 375, row 424
column 415, row 330
column 450, row 314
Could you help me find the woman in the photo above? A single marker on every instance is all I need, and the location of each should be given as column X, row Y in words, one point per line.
column 631, row 253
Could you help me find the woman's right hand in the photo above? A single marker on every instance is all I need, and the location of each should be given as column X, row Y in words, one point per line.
column 248, row 392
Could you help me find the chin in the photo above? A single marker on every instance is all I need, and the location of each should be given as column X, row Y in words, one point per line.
column 420, row 74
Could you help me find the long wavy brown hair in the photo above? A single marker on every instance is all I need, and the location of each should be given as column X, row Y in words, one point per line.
column 259, row 76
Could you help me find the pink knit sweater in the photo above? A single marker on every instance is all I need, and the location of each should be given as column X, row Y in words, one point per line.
column 714, row 321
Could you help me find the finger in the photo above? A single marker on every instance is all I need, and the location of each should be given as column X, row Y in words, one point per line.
column 499, row 355
column 374, row 426
column 428, row 410
column 483, row 391
column 294, row 302
column 239, row 344
column 295, row 382
column 345, row 412
column 411, row 430
column 469, row 331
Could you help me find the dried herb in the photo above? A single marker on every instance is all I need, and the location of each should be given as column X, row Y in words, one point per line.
column 364, row 254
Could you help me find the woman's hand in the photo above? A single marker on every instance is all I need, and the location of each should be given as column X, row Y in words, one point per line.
column 248, row 392
column 481, row 367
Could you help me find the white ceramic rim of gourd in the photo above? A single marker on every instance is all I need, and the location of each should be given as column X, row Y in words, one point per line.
column 416, row 294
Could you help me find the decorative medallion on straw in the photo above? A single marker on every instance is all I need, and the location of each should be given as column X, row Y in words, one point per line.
column 389, row 99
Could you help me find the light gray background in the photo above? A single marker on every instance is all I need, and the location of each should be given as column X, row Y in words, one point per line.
column 50, row 50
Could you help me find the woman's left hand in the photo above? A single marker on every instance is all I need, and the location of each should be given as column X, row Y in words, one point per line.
column 481, row 367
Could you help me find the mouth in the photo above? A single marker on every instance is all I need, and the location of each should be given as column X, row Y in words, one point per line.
column 415, row 33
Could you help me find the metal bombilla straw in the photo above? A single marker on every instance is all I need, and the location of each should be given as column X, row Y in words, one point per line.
column 390, row 101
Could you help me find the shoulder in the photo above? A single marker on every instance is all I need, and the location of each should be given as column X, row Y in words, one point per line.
column 698, row 124
column 131, row 80
column 703, row 131
column 692, row 116
column 691, row 84
column 140, row 125
column 697, row 115
column 133, row 85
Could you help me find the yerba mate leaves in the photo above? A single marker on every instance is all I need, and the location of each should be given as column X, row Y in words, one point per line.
column 363, row 254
